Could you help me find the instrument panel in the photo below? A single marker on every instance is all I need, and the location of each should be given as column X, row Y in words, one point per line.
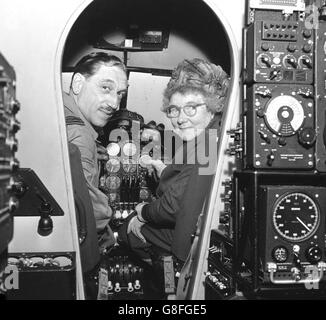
column 9, row 126
column 126, row 177
column 281, row 130
column 295, row 226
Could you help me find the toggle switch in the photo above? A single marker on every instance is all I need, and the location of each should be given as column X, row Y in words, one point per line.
column 264, row 137
column 274, row 74
column 270, row 159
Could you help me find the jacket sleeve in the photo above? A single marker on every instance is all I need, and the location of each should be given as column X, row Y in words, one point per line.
column 87, row 147
column 193, row 201
column 164, row 210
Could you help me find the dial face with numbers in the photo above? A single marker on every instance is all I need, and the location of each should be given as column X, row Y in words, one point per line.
column 113, row 182
column 296, row 216
column 284, row 115
column 113, row 165
column 280, row 254
column 129, row 149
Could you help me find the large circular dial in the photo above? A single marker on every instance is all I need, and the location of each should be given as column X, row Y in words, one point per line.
column 113, row 182
column 129, row 149
column 284, row 115
column 113, row 165
column 296, row 216
column 113, row 149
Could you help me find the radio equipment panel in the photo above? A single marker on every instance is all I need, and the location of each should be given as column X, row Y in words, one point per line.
column 279, row 52
column 280, row 127
column 293, row 243
column 321, row 97
column 9, row 126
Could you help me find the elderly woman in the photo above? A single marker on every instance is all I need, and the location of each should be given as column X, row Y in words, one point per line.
column 193, row 101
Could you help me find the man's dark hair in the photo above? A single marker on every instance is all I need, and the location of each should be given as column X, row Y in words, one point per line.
column 89, row 64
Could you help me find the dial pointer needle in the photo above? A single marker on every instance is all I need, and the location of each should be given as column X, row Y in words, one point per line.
column 303, row 223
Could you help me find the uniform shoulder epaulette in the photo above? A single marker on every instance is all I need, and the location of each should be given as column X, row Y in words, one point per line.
column 71, row 120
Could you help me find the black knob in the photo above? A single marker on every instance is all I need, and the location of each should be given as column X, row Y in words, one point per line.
column 270, row 159
column 292, row 62
column 14, row 126
column 266, row 61
column 307, row 48
column 265, row 46
column 46, row 207
column 260, row 113
column 307, row 63
column 307, row 137
column 15, row 106
column 307, row 33
column 292, row 47
column 45, row 225
column 314, row 254
column 282, row 141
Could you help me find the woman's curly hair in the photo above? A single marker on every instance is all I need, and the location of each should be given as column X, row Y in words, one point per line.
column 199, row 76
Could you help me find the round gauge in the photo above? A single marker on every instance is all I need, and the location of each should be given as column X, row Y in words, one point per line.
column 129, row 149
column 144, row 194
column 113, row 182
column 284, row 115
column 280, row 254
column 113, row 165
column 113, row 149
column 129, row 165
column 145, row 160
column 289, row 61
column 296, row 216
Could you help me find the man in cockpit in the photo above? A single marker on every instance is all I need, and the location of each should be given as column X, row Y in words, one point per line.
column 99, row 82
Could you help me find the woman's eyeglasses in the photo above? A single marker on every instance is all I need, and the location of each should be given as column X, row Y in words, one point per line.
column 189, row 109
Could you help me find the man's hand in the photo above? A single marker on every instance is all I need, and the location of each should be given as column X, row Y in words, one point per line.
column 135, row 226
column 158, row 165
column 102, row 154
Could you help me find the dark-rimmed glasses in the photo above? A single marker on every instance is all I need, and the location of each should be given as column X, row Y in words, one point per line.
column 189, row 109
